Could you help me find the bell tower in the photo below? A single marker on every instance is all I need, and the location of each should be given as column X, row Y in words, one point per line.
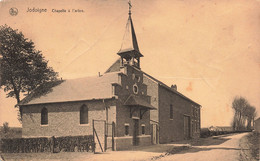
column 129, row 51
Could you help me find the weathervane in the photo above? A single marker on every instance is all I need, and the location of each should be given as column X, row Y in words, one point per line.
column 130, row 6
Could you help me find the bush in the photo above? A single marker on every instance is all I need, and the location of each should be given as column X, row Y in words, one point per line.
column 204, row 132
column 44, row 144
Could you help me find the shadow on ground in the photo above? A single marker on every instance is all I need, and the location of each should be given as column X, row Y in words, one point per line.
column 198, row 149
column 176, row 146
column 215, row 140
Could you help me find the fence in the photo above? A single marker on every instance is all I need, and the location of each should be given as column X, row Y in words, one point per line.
column 103, row 133
column 44, row 144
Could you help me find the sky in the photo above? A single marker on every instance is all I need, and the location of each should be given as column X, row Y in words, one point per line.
column 209, row 48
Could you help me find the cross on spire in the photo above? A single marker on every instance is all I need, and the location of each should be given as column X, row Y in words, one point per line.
column 130, row 6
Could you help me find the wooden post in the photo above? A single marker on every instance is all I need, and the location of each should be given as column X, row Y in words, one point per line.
column 93, row 136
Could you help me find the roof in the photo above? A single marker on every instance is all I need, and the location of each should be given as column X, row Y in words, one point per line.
column 115, row 67
column 129, row 42
column 77, row 90
column 170, row 89
column 134, row 100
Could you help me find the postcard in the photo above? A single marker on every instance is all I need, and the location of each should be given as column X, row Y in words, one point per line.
column 129, row 80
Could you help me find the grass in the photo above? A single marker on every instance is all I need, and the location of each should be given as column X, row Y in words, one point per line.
column 253, row 140
column 250, row 147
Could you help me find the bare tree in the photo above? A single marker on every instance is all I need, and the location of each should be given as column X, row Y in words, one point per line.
column 239, row 104
column 244, row 113
column 250, row 114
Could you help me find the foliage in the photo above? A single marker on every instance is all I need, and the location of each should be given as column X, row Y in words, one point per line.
column 204, row 132
column 23, row 68
column 6, row 128
column 207, row 132
column 249, row 146
column 11, row 132
column 244, row 114
column 44, row 144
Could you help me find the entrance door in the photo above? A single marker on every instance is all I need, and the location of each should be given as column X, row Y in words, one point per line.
column 186, row 127
column 154, row 134
column 136, row 132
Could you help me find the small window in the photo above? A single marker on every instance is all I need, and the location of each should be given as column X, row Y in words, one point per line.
column 84, row 114
column 143, row 129
column 44, row 116
column 126, row 129
column 171, row 112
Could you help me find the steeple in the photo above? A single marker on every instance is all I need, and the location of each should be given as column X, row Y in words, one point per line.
column 129, row 51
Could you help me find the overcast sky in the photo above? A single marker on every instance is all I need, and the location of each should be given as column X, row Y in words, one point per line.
column 209, row 48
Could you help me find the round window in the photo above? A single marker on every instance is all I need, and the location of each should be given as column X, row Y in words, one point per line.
column 135, row 89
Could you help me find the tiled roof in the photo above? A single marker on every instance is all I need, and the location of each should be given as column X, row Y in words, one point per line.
column 78, row 90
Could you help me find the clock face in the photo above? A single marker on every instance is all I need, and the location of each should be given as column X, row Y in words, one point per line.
column 135, row 89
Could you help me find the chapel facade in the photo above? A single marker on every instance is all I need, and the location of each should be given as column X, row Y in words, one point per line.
column 142, row 109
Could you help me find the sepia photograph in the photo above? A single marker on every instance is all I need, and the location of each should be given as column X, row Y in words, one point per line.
column 129, row 80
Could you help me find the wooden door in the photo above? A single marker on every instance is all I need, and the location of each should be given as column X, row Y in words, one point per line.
column 136, row 132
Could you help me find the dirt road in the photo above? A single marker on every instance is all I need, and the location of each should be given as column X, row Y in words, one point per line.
column 221, row 148
column 217, row 148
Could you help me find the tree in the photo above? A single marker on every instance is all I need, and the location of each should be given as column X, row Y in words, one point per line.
column 250, row 114
column 23, row 68
column 244, row 113
column 239, row 104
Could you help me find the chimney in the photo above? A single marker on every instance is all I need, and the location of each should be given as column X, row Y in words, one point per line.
column 174, row 87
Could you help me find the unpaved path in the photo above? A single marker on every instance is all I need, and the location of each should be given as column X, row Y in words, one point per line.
column 221, row 148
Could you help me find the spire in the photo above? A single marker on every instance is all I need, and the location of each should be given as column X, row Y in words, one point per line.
column 129, row 40
column 129, row 49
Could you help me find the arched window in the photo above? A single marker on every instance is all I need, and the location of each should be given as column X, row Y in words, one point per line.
column 44, row 116
column 84, row 114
